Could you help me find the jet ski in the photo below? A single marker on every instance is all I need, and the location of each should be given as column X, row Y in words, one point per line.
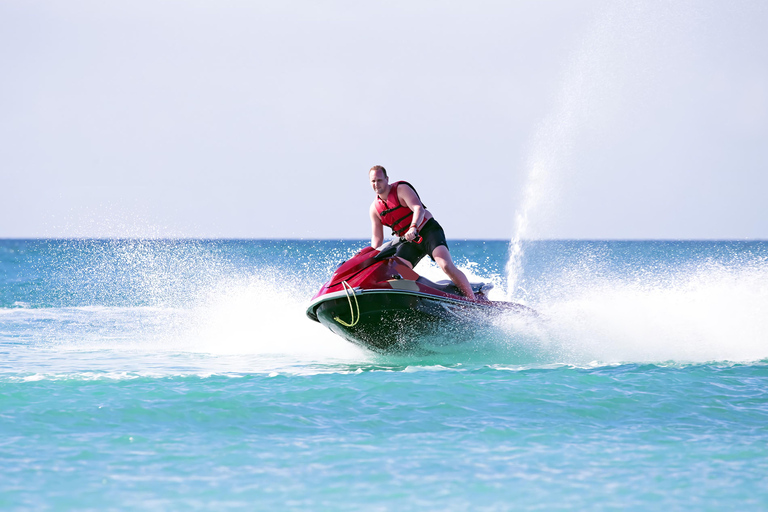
column 376, row 300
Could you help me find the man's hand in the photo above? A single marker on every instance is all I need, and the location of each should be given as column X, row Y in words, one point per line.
column 411, row 234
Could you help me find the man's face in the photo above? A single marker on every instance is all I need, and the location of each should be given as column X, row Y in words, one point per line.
column 379, row 182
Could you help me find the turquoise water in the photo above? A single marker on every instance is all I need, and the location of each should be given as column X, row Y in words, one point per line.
column 184, row 375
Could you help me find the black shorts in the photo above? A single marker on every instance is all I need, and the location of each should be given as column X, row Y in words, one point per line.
column 432, row 237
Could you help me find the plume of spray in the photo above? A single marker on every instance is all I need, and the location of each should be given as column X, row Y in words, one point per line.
column 538, row 185
column 618, row 57
column 550, row 151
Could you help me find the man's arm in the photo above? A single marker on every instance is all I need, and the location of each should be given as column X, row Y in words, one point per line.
column 409, row 198
column 377, row 238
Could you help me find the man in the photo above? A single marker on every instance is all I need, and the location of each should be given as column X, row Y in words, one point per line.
column 398, row 206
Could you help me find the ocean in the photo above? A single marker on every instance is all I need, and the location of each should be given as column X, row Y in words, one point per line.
column 184, row 375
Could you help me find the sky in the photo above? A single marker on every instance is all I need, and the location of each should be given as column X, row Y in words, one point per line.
column 260, row 119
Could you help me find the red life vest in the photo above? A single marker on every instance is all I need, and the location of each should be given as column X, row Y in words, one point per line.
column 395, row 215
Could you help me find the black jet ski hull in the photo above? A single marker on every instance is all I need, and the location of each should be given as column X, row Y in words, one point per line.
column 396, row 321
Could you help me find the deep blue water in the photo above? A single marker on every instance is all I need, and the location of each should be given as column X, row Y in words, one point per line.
column 184, row 375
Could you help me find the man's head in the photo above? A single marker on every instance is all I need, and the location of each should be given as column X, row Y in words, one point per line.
column 379, row 168
column 379, row 179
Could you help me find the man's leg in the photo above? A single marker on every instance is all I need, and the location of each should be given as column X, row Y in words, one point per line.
column 410, row 254
column 443, row 259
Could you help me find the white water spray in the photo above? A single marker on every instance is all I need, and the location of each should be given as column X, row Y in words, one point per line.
column 618, row 58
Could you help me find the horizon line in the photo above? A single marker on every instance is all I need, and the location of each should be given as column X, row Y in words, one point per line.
column 507, row 240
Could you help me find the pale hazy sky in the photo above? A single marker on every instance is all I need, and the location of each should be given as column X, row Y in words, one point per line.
column 602, row 119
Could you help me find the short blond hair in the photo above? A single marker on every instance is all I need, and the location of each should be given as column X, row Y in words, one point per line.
column 379, row 168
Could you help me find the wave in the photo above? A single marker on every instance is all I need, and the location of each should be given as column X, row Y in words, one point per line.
column 711, row 312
